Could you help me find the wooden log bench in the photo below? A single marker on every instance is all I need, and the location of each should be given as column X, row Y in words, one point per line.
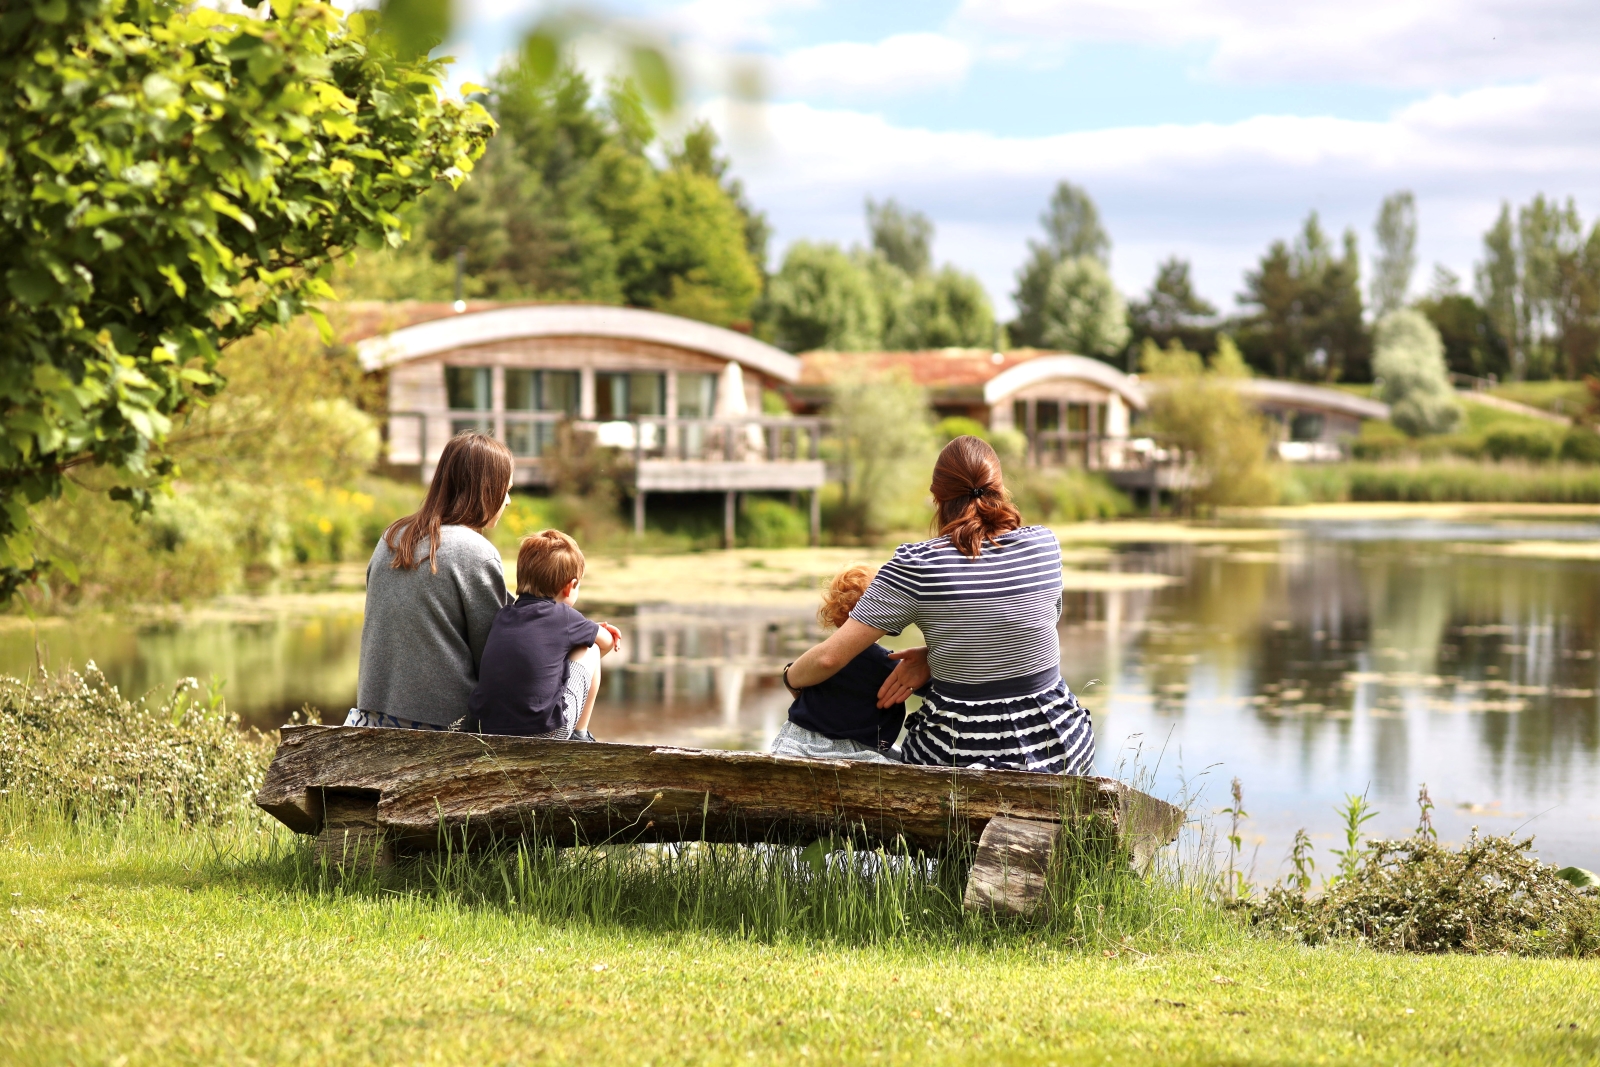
column 364, row 792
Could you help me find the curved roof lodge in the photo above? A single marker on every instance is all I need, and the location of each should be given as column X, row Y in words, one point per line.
column 685, row 396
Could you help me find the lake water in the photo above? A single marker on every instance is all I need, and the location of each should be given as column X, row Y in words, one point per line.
column 1345, row 658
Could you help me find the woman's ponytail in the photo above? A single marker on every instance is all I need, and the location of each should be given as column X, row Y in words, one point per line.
column 970, row 495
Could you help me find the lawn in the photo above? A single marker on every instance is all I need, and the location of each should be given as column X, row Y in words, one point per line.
column 142, row 943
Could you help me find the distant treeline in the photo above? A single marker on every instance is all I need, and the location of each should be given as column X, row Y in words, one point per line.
column 580, row 198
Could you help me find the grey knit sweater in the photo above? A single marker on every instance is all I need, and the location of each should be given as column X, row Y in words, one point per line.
column 423, row 634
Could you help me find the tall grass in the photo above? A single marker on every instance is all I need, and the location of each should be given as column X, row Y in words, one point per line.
column 84, row 768
column 832, row 891
column 1443, row 481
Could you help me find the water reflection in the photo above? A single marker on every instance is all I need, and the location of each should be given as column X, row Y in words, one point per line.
column 1347, row 665
column 1338, row 662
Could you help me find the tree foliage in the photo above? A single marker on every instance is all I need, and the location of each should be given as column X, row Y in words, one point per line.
column 173, row 179
column 571, row 203
column 1396, row 233
column 822, row 297
column 1172, row 311
column 948, row 309
column 885, row 446
column 1471, row 343
column 905, row 238
column 1072, row 229
column 1303, row 310
column 1409, row 359
column 1195, row 409
column 864, row 299
column 1082, row 311
column 1539, row 283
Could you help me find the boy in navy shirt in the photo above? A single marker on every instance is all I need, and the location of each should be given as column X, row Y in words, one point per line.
column 840, row 718
column 540, row 670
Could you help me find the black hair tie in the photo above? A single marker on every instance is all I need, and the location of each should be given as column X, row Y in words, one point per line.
column 977, row 494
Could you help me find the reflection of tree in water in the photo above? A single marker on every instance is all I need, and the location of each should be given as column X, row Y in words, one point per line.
column 1522, row 637
column 1198, row 634
column 1315, row 634
column 270, row 661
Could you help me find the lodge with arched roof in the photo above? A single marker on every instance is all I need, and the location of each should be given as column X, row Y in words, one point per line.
column 683, row 396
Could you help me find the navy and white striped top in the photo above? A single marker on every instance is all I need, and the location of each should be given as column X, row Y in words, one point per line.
column 990, row 622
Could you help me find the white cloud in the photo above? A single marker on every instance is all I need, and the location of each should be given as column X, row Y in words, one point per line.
column 1214, row 192
column 906, row 62
column 732, row 23
column 1388, row 42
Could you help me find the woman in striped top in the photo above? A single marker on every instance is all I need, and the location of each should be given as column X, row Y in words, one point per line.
column 987, row 595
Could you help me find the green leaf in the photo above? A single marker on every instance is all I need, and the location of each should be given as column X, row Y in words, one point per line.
column 32, row 287
column 541, row 53
column 417, row 25
column 51, row 11
column 67, row 568
column 170, row 273
column 655, row 77
column 324, row 327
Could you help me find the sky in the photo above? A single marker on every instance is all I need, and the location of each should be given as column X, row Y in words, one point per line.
column 1202, row 128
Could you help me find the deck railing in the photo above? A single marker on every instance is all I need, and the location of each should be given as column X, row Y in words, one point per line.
column 1080, row 448
column 738, row 439
column 532, row 434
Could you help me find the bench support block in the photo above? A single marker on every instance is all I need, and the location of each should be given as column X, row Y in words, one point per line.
column 350, row 837
column 1010, row 868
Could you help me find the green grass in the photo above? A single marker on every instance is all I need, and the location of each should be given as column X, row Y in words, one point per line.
column 137, row 942
column 1563, row 398
column 1441, row 481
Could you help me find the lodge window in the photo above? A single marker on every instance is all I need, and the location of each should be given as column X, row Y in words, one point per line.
column 1305, row 426
column 470, row 389
column 542, row 390
column 1046, row 416
column 697, row 395
column 629, row 395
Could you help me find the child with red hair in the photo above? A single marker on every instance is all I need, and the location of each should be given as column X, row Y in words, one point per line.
column 840, row 718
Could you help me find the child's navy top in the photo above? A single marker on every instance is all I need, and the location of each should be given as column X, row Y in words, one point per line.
column 845, row 707
column 524, row 666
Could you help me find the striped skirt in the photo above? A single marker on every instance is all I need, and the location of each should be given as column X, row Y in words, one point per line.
column 1044, row 731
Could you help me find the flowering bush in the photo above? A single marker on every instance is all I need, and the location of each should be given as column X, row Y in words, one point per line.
column 73, row 740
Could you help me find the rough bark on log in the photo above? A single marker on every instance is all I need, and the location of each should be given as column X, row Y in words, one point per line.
column 1011, row 866
column 577, row 793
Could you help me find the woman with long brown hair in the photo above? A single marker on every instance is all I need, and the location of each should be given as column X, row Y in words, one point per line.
column 434, row 585
column 986, row 593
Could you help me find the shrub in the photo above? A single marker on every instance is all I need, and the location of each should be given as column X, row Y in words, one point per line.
column 883, row 449
column 1066, row 495
column 1379, row 440
column 1409, row 357
column 1581, row 445
column 74, row 741
column 953, row 426
column 1010, row 445
column 768, row 523
column 1521, row 442
column 1420, row 896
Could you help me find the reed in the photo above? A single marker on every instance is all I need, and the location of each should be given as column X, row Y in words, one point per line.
column 1443, row 481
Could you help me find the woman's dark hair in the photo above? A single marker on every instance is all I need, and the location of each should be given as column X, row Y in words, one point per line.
column 972, row 503
column 468, row 487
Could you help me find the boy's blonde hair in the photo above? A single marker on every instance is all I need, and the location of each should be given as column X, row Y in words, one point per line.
column 546, row 562
column 842, row 594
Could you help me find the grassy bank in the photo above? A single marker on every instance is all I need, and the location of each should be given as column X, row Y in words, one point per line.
column 142, row 943
column 1441, row 481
